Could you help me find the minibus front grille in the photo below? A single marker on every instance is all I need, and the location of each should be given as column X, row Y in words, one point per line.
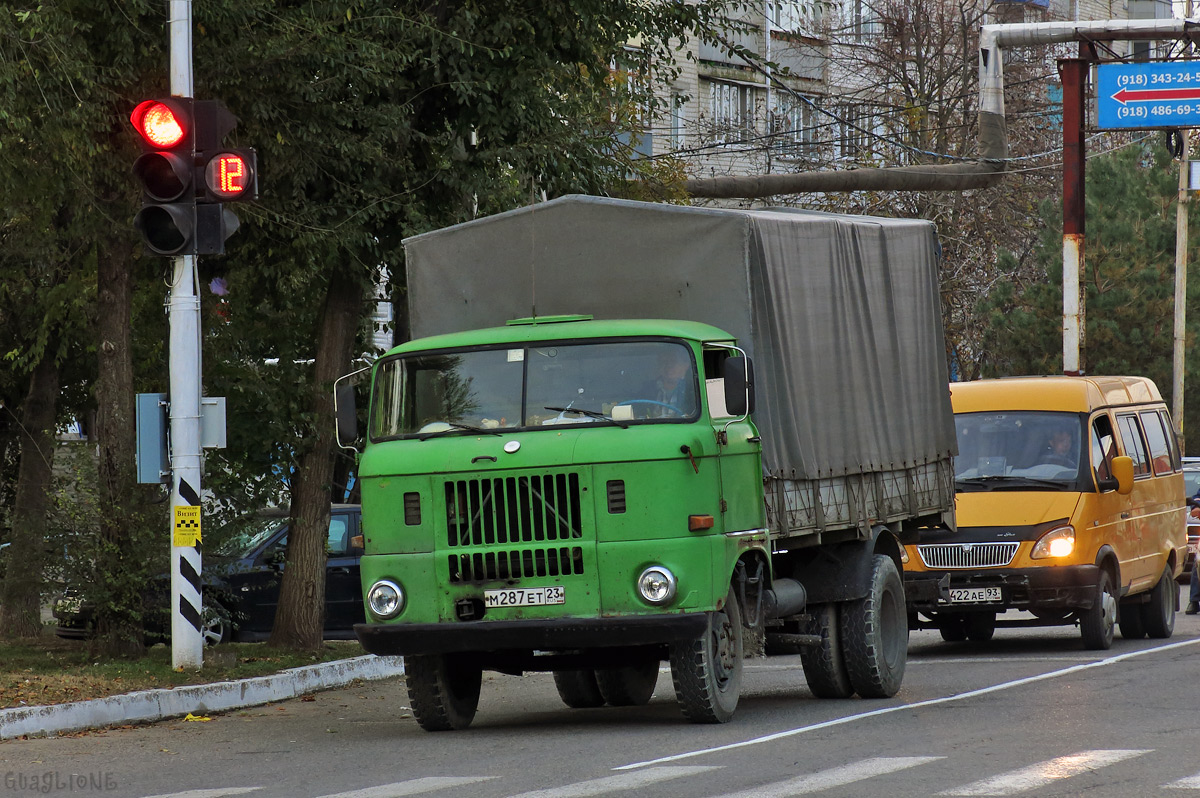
column 500, row 511
column 967, row 555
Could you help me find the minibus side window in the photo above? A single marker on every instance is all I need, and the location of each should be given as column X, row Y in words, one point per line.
column 1104, row 449
column 1172, row 441
column 1160, row 453
column 1135, row 447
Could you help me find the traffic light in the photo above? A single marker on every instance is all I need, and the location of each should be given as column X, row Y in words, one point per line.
column 166, row 171
column 187, row 177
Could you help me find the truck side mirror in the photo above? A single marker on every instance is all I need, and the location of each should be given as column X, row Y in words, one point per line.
column 1122, row 469
column 739, row 385
column 346, row 413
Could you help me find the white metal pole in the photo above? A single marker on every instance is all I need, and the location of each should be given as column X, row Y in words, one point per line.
column 187, row 645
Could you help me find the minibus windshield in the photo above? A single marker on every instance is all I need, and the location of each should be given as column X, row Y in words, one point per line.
column 1018, row 450
column 534, row 386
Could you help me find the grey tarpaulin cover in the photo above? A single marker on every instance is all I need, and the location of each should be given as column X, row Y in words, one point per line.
column 841, row 313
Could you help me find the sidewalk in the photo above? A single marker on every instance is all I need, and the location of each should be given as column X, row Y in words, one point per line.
column 150, row 705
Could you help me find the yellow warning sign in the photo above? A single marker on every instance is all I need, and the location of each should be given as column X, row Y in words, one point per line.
column 187, row 526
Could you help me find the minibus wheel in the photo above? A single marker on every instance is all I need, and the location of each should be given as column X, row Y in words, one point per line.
column 1158, row 615
column 1096, row 624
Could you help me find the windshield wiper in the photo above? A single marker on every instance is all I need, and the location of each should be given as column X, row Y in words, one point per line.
column 453, row 427
column 596, row 414
column 1007, row 483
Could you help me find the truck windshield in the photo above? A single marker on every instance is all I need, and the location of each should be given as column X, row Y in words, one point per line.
column 1019, row 450
column 534, row 386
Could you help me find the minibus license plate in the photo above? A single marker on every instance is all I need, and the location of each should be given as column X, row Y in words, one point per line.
column 974, row 595
column 524, row 597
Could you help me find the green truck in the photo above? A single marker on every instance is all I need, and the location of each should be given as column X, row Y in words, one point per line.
column 625, row 433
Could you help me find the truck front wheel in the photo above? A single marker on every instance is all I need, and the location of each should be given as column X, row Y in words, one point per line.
column 707, row 671
column 443, row 690
column 875, row 633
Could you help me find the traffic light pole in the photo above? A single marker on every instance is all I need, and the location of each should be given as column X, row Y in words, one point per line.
column 187, row 644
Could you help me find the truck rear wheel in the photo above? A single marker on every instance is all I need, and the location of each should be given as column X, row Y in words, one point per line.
column 875, row 633
column 1158, row 614
column 629, row 686
column 443, row 691
column 707, row 671
column 824, row 665
column 578, row 689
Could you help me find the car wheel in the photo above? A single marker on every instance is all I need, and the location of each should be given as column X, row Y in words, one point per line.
column 215, row 628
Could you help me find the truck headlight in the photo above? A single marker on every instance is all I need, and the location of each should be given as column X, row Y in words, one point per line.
column 386, row 599
column 1059, row 542
column 657, row 585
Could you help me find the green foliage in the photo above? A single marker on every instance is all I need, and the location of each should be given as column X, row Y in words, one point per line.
column 1129, row 279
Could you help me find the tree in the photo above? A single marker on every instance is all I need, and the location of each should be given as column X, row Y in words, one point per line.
column 1128, row 279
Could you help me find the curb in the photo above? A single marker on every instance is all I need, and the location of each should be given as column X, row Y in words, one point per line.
column 151, row 705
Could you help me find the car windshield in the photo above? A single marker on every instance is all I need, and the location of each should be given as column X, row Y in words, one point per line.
column 534, row 386
column 1023, row 449
column 251, row 536
column 1191, row 481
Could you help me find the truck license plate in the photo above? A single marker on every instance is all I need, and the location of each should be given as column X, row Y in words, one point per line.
column 974, row 595
column 525, row 597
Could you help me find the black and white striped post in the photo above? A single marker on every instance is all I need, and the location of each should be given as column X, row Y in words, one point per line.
column 187, row 643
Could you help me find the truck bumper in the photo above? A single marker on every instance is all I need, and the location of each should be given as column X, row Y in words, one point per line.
column 554, row 634
column 1051, row 588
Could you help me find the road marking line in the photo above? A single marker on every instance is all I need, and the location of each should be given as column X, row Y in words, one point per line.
column 1043, row 773
column 411, row 787
column 622, row 782
column 219, row 792
column 834, row 777
column 1188, row 783
column 903, row 707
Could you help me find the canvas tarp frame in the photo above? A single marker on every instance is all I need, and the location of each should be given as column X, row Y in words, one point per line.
column 841, row 313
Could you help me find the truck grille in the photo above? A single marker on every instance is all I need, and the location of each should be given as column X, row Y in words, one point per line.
column 967, row 555
column 525, row 509
column 487, row 566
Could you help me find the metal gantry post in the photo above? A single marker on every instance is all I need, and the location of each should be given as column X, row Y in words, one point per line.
column 1073, row 72
column 184, row 360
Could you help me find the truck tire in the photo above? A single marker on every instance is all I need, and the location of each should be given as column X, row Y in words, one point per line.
column 578, row 689
column 980, row 625
column 443, row 691
column 1158, row 614
column 824, row 666
column 875, row 633
column 1097, row 622
column 707, row 671
column 629, row 686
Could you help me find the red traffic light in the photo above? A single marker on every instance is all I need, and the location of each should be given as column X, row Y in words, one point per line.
column 228, row 175
column 162, row 126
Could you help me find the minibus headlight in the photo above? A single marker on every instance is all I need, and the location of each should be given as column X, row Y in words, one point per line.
column 386, row 599
column 656, row 585
column 1058, row 542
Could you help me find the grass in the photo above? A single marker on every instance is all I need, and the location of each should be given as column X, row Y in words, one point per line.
column 55, row 671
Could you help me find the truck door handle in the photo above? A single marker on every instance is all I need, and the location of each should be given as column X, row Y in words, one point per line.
column 340, row 570
column 1126, row 516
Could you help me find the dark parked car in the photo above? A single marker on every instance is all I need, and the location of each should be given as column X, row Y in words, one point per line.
column 241, row 585
column 1191, row 486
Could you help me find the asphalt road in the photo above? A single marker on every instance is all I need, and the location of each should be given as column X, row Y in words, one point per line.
column 1028, row 713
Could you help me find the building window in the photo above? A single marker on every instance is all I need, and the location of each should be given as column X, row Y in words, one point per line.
column 793, row 125
column 854, row 132
column 676, row 122
column 795, row 15
column 731, row 111
column 861, row 18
